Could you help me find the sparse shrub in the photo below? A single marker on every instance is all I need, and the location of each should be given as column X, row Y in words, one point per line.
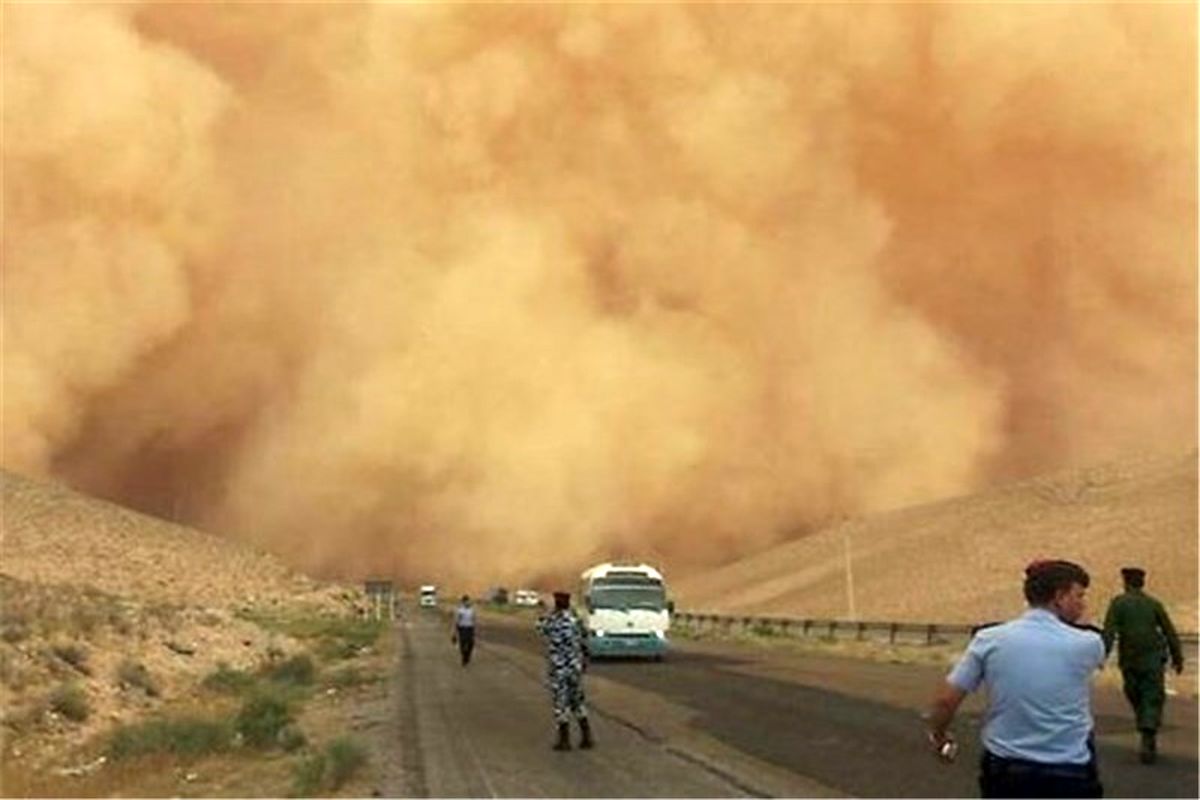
column 135, row 674
column 24, row 719
column 336, row 649
column 337, row 637
column 764, row 629
column 70, row 701
column 344, row 756
column 298, row 670
column 15, row 629
column 227, row 680
column 167, row 615
column 292, row 739
column 211, row 619
column 308, row 775
column 181, row 736
column 351, row 676
column 262, row 716
column 74, row 654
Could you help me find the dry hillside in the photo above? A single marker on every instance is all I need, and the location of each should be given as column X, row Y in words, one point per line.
column 962, row 559
column 127, row 614
column 50, row 534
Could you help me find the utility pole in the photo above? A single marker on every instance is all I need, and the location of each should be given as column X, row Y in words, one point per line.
column 849, row 573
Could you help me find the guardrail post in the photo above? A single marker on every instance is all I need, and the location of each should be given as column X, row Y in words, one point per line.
column 929, row 631
column 862, row 626
column 892, row 633
column 832, row 628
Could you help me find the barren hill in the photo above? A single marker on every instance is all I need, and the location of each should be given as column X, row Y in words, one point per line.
column 107, row 616
column 962, row 559
column 52, row 535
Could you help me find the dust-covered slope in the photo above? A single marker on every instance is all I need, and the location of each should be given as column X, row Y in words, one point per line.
column 962, row 559
column 52, row 535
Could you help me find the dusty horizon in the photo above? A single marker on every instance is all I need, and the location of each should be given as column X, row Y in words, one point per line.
column 446, row 290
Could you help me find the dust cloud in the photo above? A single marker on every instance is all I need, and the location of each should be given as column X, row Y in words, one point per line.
column 486, row 292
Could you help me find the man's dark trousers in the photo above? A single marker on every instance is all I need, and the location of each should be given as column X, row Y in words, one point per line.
column 1014, row 777
column 1146, row 693
column 466, row 642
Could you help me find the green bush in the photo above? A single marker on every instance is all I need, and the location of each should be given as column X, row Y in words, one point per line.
column 227, row 680
column 181, row 736
column 298, row 670
column 262, row 717
column 70, row 701
column 132, row 673
column 328, row 771
column 308, row 776
column 344, row 757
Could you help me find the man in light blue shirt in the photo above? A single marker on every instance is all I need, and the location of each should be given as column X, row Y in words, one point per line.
column 464, row 629
column 1037, row 733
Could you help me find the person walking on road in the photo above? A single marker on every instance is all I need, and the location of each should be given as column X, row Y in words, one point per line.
column 464, row 629
column 1037, row 732
column 565, row 664
column 1145, row 635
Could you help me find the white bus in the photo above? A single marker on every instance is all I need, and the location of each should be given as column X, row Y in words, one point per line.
column 625, row 610
column 428, row 597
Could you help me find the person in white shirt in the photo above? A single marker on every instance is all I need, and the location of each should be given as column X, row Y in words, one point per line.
column 464, row 629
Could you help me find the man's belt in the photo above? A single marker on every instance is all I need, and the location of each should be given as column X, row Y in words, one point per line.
column 995, row 765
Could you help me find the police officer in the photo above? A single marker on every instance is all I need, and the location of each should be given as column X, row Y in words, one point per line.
column 565, row 663
column 1145, row 634
column 1037, row 735
column 464, row 629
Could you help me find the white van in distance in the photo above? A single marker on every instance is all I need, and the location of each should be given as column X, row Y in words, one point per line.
column 428, row 597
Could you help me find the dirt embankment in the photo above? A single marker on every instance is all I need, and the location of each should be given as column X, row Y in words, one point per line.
column 109, row 618
column 962, row 560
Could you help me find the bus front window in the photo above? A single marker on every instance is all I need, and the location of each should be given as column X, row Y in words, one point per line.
column 650, row 598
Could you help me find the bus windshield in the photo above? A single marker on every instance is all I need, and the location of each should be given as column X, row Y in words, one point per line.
column 648, row 596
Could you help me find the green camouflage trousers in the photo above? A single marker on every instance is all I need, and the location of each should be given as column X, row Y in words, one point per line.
column 1145, row 692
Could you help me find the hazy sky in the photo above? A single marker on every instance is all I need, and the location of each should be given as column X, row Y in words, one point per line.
column 482, row 292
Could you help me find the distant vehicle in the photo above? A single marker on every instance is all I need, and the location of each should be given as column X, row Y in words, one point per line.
column 525, row 597
column 625, row 610
column 428, row 596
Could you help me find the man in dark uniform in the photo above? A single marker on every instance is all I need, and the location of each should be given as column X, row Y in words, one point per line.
column 565, row 660
column 1144, row 635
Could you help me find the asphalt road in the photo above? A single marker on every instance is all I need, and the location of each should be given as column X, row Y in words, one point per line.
column 486, row 730
column 723, row 721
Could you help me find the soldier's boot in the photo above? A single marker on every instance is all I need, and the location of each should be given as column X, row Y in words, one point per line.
column 1148, row 753
column 585, row 728
column 564, row 737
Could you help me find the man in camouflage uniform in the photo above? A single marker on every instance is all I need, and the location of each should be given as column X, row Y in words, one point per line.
column 1145, row 634
column 565, row 663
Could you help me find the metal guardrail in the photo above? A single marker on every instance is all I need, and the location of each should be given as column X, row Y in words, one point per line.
column 926, row 633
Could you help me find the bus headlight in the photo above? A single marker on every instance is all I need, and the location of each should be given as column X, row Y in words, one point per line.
column 597, row 633
column 660, row 634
